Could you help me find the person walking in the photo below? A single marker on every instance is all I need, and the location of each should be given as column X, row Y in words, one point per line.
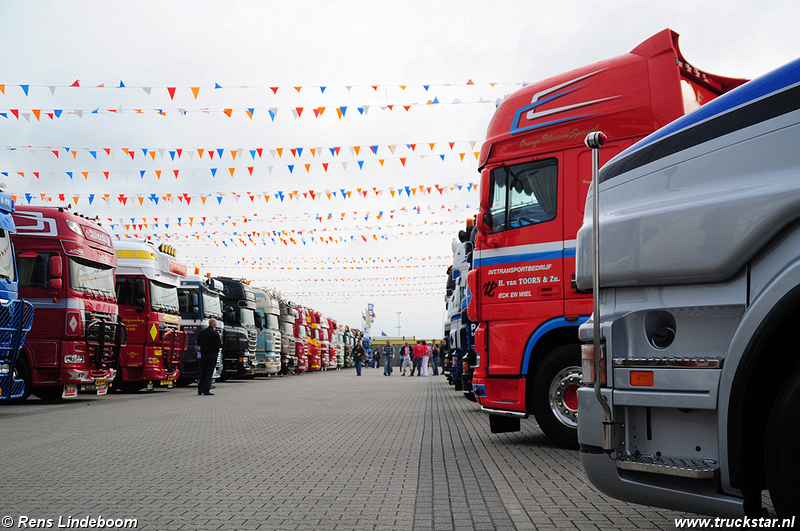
column 209, row 342
column 425, row 357
column 358, row 356
column 405, row 354
column 388, row 355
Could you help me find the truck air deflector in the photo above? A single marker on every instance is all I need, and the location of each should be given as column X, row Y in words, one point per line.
column 755, row 102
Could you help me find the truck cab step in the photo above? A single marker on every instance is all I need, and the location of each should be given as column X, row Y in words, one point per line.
column 670, row 466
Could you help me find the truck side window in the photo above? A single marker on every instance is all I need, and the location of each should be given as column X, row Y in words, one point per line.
column 184, row 301
column 33, row 270
column 125, row 291
column 524, row 194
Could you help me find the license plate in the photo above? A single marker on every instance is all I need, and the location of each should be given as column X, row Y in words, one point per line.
column 70, row 391
column 99, row 381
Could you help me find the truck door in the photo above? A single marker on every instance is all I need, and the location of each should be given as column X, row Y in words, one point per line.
column 521, row 257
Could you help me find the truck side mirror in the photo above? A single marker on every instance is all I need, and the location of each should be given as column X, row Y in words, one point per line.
column 55, row 267
column 139, row 294
column 56, row 272
column 195, row 303
column 485, row 223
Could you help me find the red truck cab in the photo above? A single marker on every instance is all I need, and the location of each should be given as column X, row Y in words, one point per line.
column 535, row 174
column 66, row 267
column 147, row 288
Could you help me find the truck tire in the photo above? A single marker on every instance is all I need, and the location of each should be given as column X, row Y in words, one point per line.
column 782, row 444
column 183, row 382
column 49, row 393
column 554, row 395
column 22, row 370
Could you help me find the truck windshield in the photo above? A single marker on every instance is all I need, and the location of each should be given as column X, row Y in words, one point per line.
column 164, row 298
column 6, row 256
column 211, row 306
column 91, row 277
column 272, row 322
column 247, row 317
column 287, row 329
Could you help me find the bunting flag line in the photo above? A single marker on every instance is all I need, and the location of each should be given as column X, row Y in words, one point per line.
column 249, row 111
column 274, row 89
column 278, row 196
column 172, row 154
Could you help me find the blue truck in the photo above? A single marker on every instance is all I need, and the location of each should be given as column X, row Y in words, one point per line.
column 16, row 315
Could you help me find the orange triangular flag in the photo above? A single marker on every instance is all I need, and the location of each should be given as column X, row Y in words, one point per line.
column 231, row 170
column 228, row 112
column 195, row 91
column 158, row 174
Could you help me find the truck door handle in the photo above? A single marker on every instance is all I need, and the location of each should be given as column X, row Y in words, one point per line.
column 547, row 291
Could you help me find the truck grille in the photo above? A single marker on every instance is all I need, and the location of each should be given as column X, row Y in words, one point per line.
column 173, row 344
column 104, row 339
column 16, row 318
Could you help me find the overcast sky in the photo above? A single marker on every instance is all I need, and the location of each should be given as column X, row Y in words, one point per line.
column 385, row 97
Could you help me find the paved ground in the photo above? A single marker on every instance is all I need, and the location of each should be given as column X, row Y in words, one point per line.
column 320, row 451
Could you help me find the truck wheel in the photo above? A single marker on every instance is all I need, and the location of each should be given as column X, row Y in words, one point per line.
column 50, row 393
column 183, row 382
column 782, row 445
column 22, row 370
column 555, row 395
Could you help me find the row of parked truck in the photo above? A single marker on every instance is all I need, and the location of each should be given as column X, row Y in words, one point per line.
column 683, row 390
column 83, row 313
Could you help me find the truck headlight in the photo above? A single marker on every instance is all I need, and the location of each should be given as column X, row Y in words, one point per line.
column 73, row 358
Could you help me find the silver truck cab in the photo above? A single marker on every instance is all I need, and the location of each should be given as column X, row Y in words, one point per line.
column 693, row 402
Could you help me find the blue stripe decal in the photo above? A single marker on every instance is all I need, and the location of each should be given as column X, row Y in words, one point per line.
column 516, row 258
column 552, row 324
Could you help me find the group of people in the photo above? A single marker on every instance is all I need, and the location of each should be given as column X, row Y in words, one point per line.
column 413, row 359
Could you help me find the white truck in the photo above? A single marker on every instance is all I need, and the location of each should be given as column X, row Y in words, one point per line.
column 693, row 399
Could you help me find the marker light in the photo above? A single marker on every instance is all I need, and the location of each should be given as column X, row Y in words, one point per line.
column 642, row 378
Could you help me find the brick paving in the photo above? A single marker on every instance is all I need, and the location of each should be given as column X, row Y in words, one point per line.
column 316, row 451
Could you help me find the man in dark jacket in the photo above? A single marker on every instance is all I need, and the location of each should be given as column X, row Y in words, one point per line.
column 358, row 356
column 209, row 342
